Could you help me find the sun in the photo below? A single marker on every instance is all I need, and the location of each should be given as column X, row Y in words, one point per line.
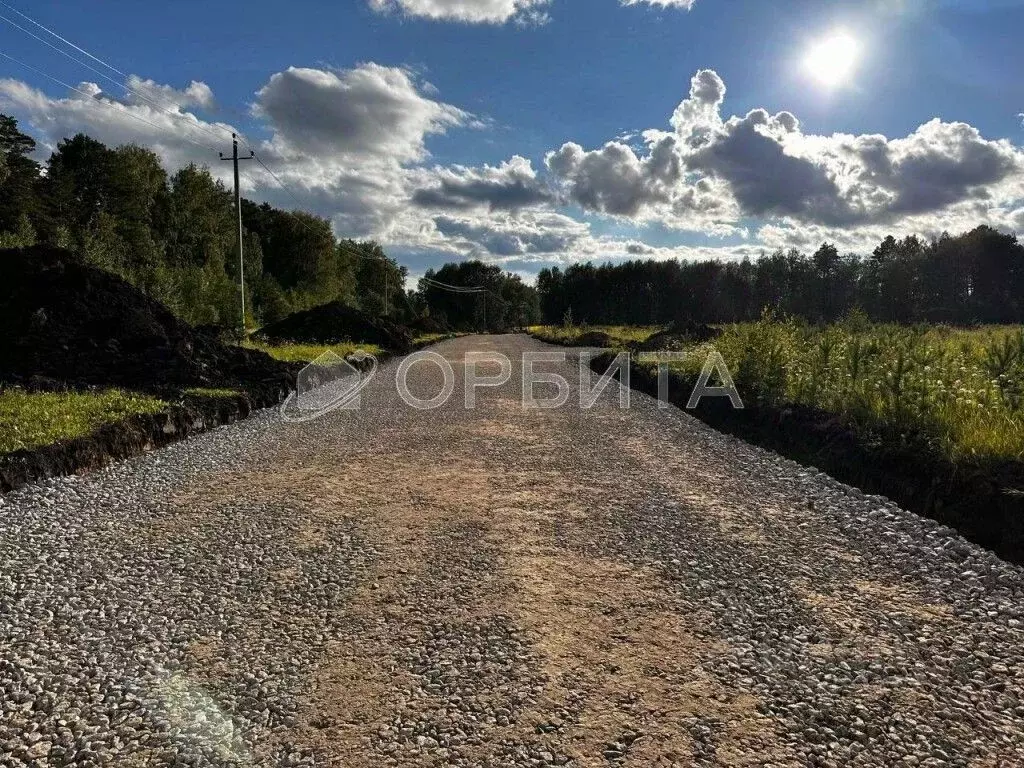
column 833, row 59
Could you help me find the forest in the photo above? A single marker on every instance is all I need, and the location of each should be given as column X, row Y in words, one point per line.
column 973, row 278
column 174, row 235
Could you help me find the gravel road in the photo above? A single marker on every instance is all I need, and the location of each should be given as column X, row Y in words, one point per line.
column 502, row 586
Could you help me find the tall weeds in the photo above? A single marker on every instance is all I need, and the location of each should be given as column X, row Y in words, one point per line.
column 962, row 390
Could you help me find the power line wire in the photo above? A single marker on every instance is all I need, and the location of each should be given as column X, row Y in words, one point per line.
column 453, row 289
column 173, row 109
column 62, row 52
column 458, row 288
column 174, row 112
column 63, row 40
column 116, row 104
column 278, row 180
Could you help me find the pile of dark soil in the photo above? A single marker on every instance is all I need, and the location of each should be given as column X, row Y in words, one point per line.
column 68, row 324
column 428, row 324
column 334, row 323
column 679, row 335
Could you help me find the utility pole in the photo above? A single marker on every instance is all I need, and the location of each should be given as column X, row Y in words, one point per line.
column 238, row 207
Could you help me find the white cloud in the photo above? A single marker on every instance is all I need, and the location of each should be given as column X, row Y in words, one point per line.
column 711, row 172
column 176, row 134
column 530, row 236
column 698, row 114
column 687, row 4
column 468, row 11
column 196, row 94
column 368, row 110
column 523, row 12
column 510, row 186
column 614, row 180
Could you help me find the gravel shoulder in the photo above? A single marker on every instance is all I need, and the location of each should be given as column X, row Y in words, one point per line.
column 501, row 586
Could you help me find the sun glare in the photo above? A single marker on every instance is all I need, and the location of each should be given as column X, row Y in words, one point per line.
column 832, row 60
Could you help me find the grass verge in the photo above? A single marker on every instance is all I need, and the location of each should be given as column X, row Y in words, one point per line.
column 959, row 391
column 32, row 419
column 571, row 335
column 432, row 338
column 212, row 393
column 305, row 353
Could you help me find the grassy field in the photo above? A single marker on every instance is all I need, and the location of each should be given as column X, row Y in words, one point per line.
column 32, row 419
column 621, row 335
column 961, row 389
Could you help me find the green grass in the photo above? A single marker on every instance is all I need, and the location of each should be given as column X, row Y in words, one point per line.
column 432, row 338
column 961, row 390
column 213, row 393
column 621, row 335
column 32, row 419
column 305, row 353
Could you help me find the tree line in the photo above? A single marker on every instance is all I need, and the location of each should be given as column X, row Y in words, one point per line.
column 175, row 235
column 975, row 277
column 501, row 301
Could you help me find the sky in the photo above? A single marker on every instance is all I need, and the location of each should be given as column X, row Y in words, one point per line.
column 535, row 133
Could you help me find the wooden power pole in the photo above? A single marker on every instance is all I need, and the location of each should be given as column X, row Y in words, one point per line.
column 238, row 207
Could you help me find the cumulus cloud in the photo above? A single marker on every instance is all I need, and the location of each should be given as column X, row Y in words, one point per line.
column 468, row 11
column 711, row 171
column 654, row 185
column 698, row 114
column 614, row 179
column 196, row 94
column 639, row 249
column 523, row 12
column 762, row 177
column 937, row 165
column 528, row 236
column 176, row 134
column 370, row 109
column 510, row 186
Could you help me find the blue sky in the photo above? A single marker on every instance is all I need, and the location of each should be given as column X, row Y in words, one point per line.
column 527, row 125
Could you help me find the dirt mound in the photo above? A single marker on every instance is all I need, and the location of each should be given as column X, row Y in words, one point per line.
column 428, row 324
column 67, row 323
column 678, row 336
column 336, row 322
